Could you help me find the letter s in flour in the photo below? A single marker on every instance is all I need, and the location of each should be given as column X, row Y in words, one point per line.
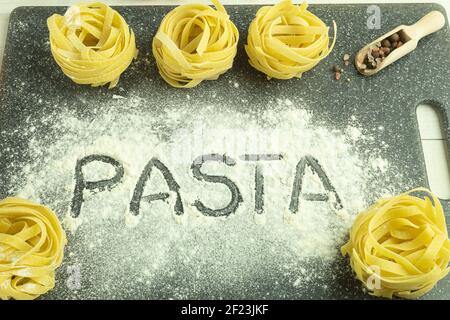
column 236, row 197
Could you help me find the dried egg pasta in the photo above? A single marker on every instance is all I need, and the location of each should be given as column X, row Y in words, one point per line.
column 195, row 43
column 92, row 44
column 286, row 40
column 401, row 243
column 31, row 248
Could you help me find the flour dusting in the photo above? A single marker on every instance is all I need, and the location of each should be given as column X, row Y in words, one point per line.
column 159, row 247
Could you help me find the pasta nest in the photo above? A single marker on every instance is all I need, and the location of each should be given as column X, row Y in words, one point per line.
column 286, row 40
column 92, row 44
column 31, row 248
column 194, row 43
column 400, row 246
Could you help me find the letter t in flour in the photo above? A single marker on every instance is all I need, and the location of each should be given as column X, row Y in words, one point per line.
column 259, row 176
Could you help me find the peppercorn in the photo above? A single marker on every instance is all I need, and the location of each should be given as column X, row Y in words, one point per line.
column 336, row 68
column 386, row 50
column 386, row 43
column 394, row 37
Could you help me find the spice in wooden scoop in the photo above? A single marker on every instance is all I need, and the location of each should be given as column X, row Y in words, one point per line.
column 397, row 43
column 380, row 50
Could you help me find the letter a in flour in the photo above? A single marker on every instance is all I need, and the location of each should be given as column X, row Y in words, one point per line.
column 316, row 168
column 135, row 203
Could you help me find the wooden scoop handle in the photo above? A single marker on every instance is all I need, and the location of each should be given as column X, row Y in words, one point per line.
column 430, row 23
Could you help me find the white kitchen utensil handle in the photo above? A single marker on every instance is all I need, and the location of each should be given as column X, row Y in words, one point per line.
column 430, row 23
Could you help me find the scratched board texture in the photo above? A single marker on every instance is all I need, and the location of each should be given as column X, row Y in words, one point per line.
column 388, row 99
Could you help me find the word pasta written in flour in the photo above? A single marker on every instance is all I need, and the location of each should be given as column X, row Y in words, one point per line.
column 82, row 185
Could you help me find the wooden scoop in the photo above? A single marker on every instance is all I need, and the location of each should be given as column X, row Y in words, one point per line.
column 430, row 23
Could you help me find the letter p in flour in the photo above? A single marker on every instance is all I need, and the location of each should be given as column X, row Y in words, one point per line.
column 81, row 184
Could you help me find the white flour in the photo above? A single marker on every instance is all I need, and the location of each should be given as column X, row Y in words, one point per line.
column 154, row 245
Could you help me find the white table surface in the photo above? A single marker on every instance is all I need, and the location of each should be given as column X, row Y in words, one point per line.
column 434, row 145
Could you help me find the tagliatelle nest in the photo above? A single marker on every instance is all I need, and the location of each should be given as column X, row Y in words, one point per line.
column 195, row 43
column 400, row 246
column 92, row 44
column 286, row 40
column 31, row 248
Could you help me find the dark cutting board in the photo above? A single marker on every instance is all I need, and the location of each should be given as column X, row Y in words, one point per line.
column 388, row 99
